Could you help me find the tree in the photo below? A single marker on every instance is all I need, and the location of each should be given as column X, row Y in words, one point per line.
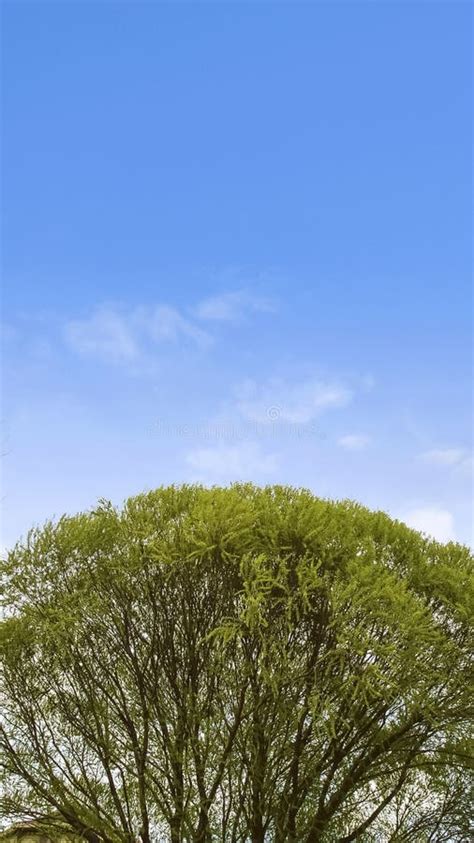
column 239, row 664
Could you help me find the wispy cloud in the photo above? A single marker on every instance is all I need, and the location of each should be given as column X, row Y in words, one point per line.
column 221, row 463
column 117, row 335
column 433, row 521
column 354, row 441
column 296, row 403
column 166, row 324
column 232, row 306
column 106, row 334
column 447, row 457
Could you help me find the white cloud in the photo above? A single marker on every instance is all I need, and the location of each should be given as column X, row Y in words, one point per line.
column 243, row 461
column 164, row 323
column 295, row 403
column 229, row 307
column 354, row 441
column 120, row 336
column 446, row 456
column 432, row 520
column 467, row 464
column 106, row 334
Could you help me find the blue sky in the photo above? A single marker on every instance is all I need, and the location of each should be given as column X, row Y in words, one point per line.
column 237, row 247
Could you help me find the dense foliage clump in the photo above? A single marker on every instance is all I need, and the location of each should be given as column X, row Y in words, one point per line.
column 238, row 664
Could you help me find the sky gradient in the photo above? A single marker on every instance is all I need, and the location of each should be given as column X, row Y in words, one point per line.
column 237, row 246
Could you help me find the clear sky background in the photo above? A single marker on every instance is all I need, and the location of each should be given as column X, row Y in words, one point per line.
column 236, row 246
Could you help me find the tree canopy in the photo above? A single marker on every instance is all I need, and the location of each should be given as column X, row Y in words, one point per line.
column 238, row 664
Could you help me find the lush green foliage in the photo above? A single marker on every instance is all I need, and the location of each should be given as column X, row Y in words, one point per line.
column 238, row 664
